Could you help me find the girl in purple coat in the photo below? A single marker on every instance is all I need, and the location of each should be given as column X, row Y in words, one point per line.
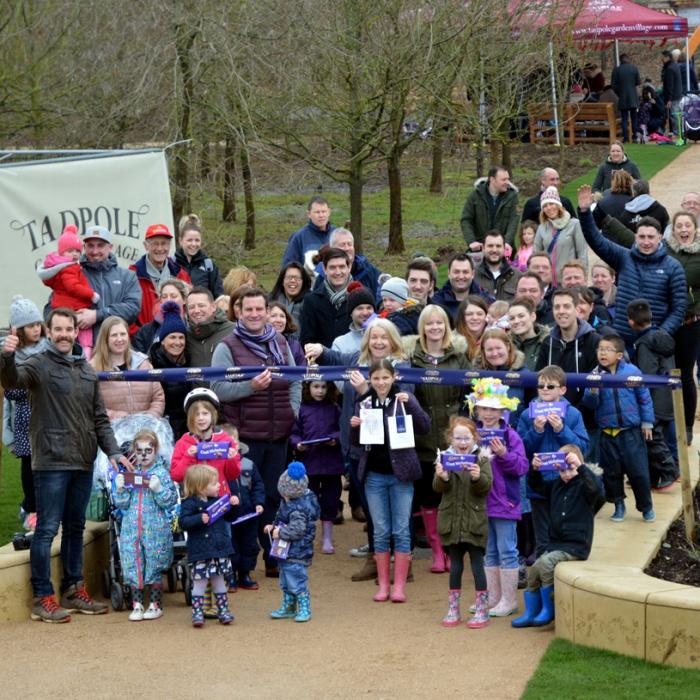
column 489, row 402
column 316, row 439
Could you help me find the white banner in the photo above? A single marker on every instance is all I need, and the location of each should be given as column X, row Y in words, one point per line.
column 125, row 193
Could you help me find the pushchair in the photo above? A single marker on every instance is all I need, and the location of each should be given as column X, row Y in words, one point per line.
column 690, row 109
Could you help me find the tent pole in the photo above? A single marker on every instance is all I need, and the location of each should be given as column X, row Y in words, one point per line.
column 617, row 53
column 554, row 95
column 687, row 66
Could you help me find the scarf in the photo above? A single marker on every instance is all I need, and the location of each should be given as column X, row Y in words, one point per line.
column 338, row 297
column 157, row 276
column 261, row 345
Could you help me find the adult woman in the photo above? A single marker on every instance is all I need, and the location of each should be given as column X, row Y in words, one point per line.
column 281, row 320
column 434, row 350
column 293, row 282
column 684, row 245
column 380, row 341
column 189, row 254
column 113, row 351
column 171, row 290
column 587, row 310
column 613, row 202
column 527, row 335
column 559, row 234
column 616, row 160
column 169, row 353
column 471, row 321
column 238, row 277
column 603, row 278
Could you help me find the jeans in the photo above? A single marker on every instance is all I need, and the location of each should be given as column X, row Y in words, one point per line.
column 389, row 503
column 271, row 460
column 294, row 577
column 626, row 453
column 502, row 544
column 62, row 496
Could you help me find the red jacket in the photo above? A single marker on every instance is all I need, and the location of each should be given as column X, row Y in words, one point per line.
column 229, row 469
column 149, row 293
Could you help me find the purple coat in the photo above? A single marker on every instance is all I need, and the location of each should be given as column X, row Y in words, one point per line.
column 503, row 500
column 319, row 419
column 404, row 463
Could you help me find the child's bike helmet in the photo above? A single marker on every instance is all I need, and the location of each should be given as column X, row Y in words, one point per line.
column 202, row 394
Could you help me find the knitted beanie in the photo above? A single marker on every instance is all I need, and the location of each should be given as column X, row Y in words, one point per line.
column 69, row 240
column 550, row 196
column 357, row 295
column 172, row 321
column 293, row 483
column 23, row 312
column 395, row 288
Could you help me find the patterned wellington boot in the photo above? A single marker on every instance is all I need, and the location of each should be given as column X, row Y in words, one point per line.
column 481, row 616
column 453, row 617
column 287, row 609
column 225, row 615
column 303, row 607
column 197, row 610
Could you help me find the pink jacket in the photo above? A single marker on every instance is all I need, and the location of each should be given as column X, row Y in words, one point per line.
column 229, row 469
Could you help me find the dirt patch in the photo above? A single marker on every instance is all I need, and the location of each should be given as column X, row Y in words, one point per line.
column 677, row 560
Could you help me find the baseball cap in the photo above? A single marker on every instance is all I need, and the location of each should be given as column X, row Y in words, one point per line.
column 99, row 232
column 158, row 230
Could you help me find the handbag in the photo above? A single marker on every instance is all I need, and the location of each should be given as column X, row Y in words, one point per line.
column 400, row 429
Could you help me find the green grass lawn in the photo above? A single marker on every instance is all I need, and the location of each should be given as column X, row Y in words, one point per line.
column 10, row 496
column 581, row 673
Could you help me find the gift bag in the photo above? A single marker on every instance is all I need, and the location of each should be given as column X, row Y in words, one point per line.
column 372, row 426
column 400, row 429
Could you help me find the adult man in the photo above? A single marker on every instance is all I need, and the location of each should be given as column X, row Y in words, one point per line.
column 493, row 274
column 625, row 80
column 207, row 326
column 118, row 287
column 302, row 244
column 460, row 284
column 672, row 90
column 645, row 270
column 324, row 315
column 421, row 277
column 541, row 265
column 68, row 422
column 680, row 58
column 492, row 205
column 691, row 204
column 549, row 177
column 153, row 268
column 573, row 274
column 263, row 408
column 531, row 287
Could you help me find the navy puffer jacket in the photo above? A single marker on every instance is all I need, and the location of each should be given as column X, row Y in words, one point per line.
column 657, row 277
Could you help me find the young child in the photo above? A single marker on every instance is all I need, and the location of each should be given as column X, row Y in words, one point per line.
column 250, row 490
column 209, row 545
column 497, row 316
column 27, row 324
column 528, row 229
column 295, row 523
column 62, row 272
column 626, row 416
column 547, row 433
column 489, row 401
column 574, row 498
column 319, row 417
column 462, row 519
column 146, row 536
column 654, row 353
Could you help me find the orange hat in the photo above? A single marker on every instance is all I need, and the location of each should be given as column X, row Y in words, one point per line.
column 158, row 230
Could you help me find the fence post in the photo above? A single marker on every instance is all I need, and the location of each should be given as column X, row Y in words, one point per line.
column 682, row 443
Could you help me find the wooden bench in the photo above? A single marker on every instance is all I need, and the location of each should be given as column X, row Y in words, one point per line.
column 581, row 122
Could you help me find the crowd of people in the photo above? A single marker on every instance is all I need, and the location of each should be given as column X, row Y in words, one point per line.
column 507, row 475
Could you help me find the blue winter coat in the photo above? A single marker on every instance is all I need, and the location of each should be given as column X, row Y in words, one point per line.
column 146, row 537
column 621, row 408
column 309, row 237
column 445, row 297
column 296, row 520
column 204, row 541
column 316, row 420
column 573, row 433
column 658, row 278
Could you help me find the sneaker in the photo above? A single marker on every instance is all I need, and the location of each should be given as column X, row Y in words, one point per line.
column 46, row 609
column 360, row 552
column 619, row 515
column 153, row 613
column 649, row 516
column 77, row 599
column 136, row 614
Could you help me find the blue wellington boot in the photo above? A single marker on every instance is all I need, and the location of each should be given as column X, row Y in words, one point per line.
column 533, row 605
column 547, row 613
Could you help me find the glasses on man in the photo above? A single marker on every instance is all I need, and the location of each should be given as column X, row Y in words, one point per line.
column 548, row 387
